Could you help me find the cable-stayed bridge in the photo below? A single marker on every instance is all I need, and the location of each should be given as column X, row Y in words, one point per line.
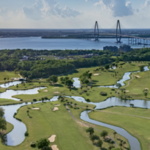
column 96, row 35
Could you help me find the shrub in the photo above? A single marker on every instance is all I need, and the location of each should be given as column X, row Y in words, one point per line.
column 88, row 100
column 26, row 133
column 34, row 100
column 33, row 144
column 42, row 143
column 103, row 93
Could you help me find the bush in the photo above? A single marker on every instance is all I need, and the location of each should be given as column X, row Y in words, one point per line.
column 42, row 143
column 103, row 93
column 34, row 100
column 33, row 144
column 26, row 133
column 88, row 100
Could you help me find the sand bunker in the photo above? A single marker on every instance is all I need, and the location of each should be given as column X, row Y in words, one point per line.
column 146, row 88
column 45, row 90
column 137, row 76
column 96, row 74
column 35, row 108
column 57, row 105
column 54, row 147
column 56, row 92
column 52, row 138
column 55, row 108
column 127, row 91
column 55, row 87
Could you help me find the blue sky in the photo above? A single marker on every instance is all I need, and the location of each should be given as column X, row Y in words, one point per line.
column 74, row 13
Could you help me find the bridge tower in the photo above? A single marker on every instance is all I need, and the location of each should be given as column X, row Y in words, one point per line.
column 96, row 31
column 118, row 32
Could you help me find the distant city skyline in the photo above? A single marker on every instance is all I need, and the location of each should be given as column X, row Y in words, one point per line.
column 74, row 14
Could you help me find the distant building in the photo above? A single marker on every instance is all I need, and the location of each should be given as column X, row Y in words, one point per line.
column 88, row 56
column 25, row 57
column 125, row 48
column 111, row 48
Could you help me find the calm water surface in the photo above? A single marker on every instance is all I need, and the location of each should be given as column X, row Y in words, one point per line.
column 54, row 44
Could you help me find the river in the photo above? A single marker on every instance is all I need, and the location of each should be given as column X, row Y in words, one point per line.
column 37, row 43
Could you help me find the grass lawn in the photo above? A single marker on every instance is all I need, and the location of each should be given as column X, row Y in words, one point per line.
column 7, row 74
column 7, row 101
column 138, row 127
column 137, row 85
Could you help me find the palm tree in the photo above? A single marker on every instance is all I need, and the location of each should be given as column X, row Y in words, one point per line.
column 93, row 138
column 75, row 104
column 115, row 134
column 90, row 130
column 87, row 107
column 120, row 145
column 104, row 134
column 100, row 143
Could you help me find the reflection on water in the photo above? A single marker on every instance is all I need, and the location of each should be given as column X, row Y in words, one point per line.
column 76, row 83
column 54, row 44
column 9, row 84
column 9, row 93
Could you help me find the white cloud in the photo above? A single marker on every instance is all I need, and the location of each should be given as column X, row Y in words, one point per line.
column 44, row 8
column 119, row 8
column 147, row 3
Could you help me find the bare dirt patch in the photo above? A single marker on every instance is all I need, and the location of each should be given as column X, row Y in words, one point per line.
column 96, row 74
column 35, row 108
column 55, row 108
column 137, row 76
column 52, row 138
column 54, row 147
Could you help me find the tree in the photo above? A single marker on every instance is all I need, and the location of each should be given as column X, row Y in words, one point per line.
column 42, row 143
column 100, row 143
column 94, row 137
column 106, row 67
column 1, row 112
column 75, row 104
column 118, row 85
column 104, row 134
column 52, row 79
column 120, row 144
column 90, row 130
column 2, row 124
column 115, row 134
column 69, row 83
column 141, row 68
column 4, row 79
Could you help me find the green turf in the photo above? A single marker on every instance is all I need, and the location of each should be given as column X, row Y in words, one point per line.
column 137, row 85
column 138, row 127
column 8, row 75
